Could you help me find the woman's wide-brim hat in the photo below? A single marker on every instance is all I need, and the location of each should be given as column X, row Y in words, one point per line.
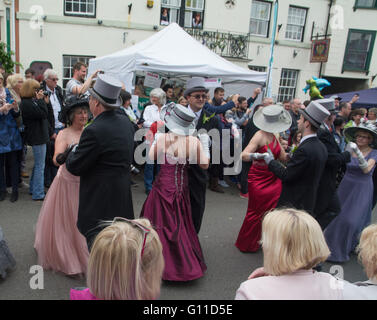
column 178, row 119
column 71, row 104
column 107, row 91
column 273, row 119
column 350, row 132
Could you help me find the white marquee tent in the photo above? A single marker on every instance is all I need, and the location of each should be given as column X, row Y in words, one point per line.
column 172, row 52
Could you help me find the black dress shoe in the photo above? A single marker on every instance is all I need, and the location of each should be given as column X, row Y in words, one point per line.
column 2, row 195
column 14, row 196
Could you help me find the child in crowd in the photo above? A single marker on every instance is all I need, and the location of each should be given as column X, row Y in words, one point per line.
column 125, row 263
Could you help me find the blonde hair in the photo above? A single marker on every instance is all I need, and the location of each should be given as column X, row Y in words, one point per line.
column 28, row 88
column 13, row 79
column 367, row 249
column 116, row 269
column 292, row 240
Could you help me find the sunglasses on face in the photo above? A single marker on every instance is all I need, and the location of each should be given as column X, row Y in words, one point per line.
column 198, row 96
column 143, row 229
column 54, row 79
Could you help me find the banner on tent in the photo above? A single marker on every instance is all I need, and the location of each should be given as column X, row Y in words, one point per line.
column 213, row 82
column 152, row 80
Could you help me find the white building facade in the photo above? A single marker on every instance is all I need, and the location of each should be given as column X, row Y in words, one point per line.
column 58, row 33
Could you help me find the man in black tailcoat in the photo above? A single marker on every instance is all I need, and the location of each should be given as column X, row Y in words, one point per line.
column 328, row 205
column 102, row 159
column 196, row 97
column 300, row 179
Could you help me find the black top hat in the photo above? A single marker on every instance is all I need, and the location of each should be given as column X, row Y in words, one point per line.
column 70, row 104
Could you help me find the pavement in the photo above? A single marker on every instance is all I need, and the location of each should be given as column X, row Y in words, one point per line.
column 227, row 266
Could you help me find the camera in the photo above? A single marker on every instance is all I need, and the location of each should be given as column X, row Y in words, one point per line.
column 46, row 93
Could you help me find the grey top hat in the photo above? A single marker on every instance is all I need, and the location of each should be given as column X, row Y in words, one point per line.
column 329, row 104
column 107, row 90
column 350, row 132
column 178, row 119
column 273, row 119
column 195, row 84
column 315, row 113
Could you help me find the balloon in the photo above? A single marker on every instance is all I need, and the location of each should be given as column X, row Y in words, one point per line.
column 315, row 86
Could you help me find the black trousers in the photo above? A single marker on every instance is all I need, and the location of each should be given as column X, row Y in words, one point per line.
column 9, row 170
column 325, row 217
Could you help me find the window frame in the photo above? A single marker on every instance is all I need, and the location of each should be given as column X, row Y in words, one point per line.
column 168, row 6
column 357, row 6
column 82, row 15
column 303, row 27
column 192, row 10
column 286, row 87
column 370, row 53
column 71, row 65
column 269, row 20
column 182, row 10
column 258, row 68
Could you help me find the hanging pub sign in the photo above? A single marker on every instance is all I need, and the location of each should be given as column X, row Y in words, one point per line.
column 320, row 50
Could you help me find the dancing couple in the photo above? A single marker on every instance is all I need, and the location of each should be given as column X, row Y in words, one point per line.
column 272, row 184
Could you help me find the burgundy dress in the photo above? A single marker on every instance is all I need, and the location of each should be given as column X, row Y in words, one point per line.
column 264, row 193
column 169, row 210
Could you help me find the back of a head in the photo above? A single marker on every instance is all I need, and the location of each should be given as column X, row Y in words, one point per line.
column 118, row 271
column 28, row 88
column 368, row 251
column 292, row 240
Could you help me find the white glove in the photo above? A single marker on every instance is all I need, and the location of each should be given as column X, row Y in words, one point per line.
column 362, row 162
column 256, row 156
column 268, row 156
column 156, row 136
column 350, row 147
column 206, row 143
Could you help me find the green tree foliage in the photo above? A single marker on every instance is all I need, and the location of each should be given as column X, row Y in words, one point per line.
column 6, row 59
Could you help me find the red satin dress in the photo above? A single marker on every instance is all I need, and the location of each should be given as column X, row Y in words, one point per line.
column 264, row 193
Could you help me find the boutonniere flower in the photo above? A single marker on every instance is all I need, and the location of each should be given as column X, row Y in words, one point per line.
column 206, row 119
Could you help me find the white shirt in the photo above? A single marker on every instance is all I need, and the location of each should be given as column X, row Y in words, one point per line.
column 56, row 107
column 197, row 115
column 151, row 115
column 308, row 137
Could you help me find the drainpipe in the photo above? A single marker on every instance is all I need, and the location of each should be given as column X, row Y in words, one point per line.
column 327, row 30
column 7, row 17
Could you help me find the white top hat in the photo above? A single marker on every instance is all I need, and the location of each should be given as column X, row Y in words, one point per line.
column 178, row 119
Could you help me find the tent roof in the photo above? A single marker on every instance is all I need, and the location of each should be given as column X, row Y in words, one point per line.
column 368, row 98
column 173, row 52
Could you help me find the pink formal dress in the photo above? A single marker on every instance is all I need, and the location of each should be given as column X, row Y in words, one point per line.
column 81, row 294
column 60, row 245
